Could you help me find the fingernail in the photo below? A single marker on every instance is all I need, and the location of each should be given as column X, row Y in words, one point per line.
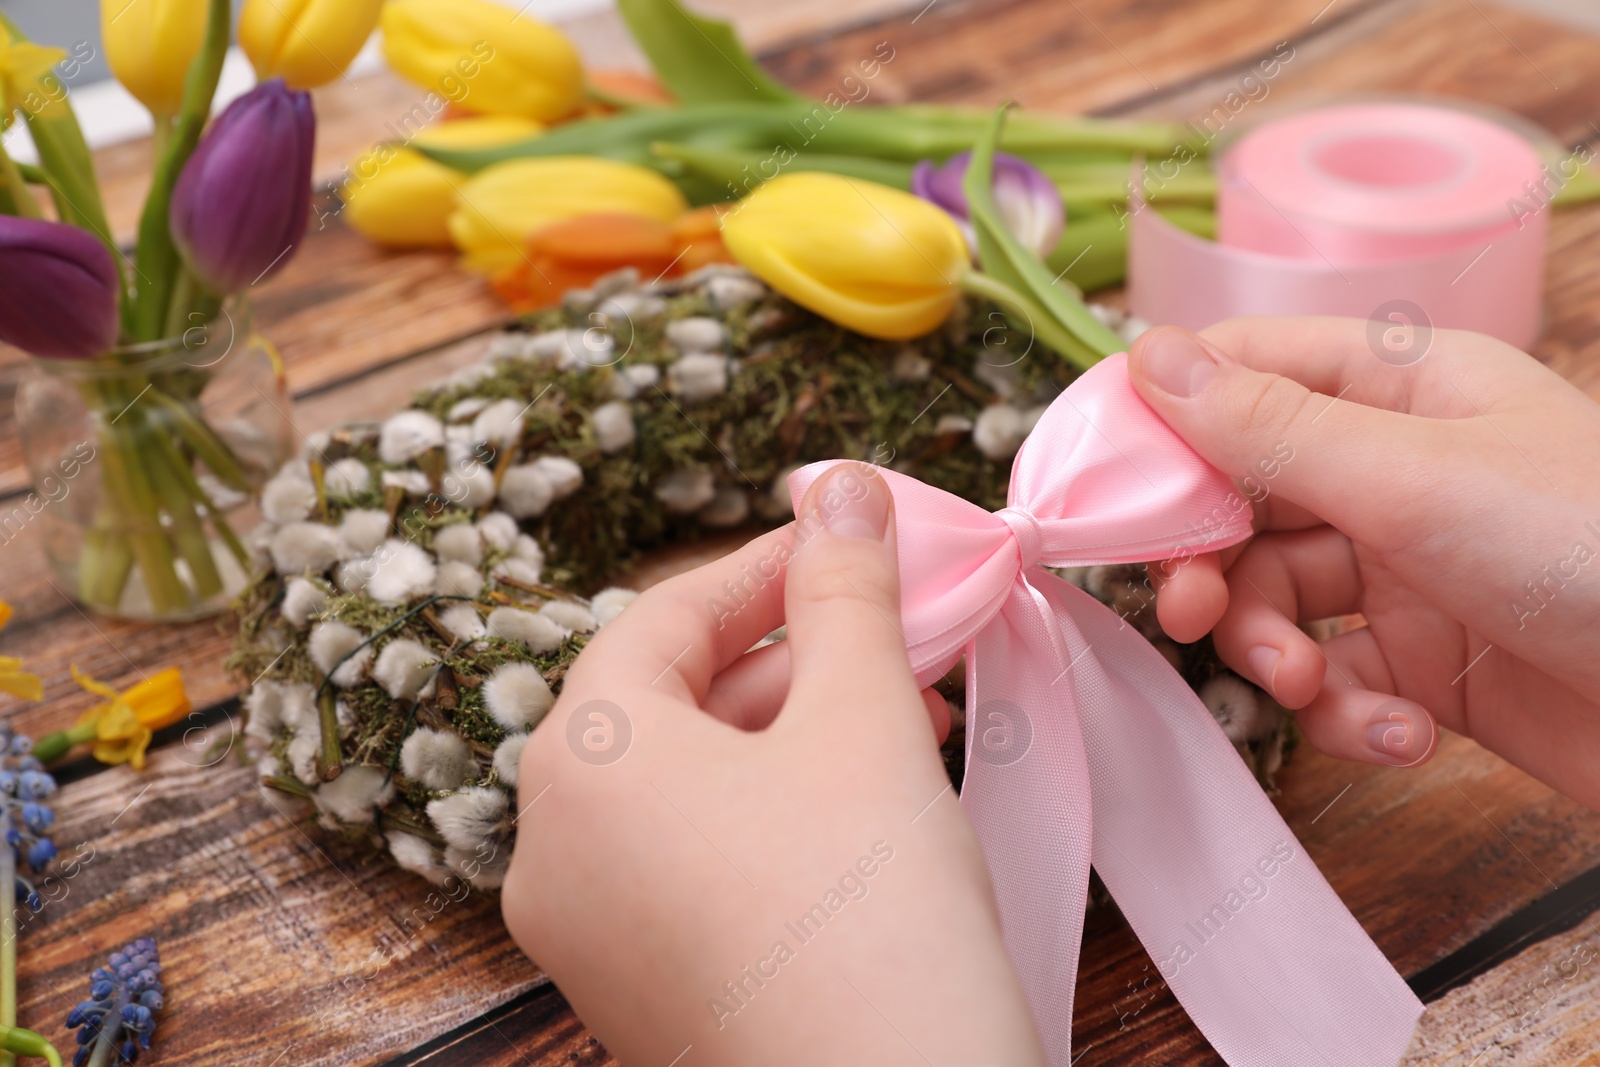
column 854, row 502
column 1263, row 661
column 1174, row 361
column 1400, row 733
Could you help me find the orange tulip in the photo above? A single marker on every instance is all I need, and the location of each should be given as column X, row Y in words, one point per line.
column 575, row 252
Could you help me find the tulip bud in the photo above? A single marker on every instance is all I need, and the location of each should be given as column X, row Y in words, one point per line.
column 307, row 43
column 1030, row 204
column 150, row 44
column 866, row 256
column 241, row 203
column 58, row 289
column 486, row 57
column 400, row 198
column 504, row 205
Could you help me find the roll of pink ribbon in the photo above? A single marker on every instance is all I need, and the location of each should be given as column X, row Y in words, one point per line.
column 1392, row 211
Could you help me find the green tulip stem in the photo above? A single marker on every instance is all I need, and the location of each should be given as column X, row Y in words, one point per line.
column 16, row 190
column 140, row 513
column 184, row 291
column 212, row 450
column 742, row 172
column 52, row 747
column 130, row 510
column 195, row 492
column 161, row 135
column 1025, row 313
column 158, row 261
column 27, row 1043
column 904, row 133
column 620, row 101
column 188, row 533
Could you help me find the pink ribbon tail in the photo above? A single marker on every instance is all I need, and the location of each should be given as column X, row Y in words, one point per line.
column 1242, row 926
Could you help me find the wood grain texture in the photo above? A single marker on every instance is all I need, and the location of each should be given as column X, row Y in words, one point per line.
column 1543, row 1007
column 262, row 924
column 279, row 943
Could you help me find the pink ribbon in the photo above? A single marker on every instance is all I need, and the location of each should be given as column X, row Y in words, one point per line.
column 1416, row 216
column 1083, row 743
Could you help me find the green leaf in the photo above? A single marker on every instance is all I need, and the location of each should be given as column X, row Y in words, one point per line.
column 699, row 60
column 1005, row 259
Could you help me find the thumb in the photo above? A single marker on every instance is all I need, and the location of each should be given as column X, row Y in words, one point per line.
column 1344, row 462
column 842, row 598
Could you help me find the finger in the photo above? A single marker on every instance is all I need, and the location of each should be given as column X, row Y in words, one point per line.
column 938, row 714
column 842, row 597
column 1358, row 467
column 1282, row 579
column 679, row 634
column 1357, row 717
column 749, row 693
column 1191, row 595
column 1390, row 364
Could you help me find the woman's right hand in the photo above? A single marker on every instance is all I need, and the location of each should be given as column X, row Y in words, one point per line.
column 1454, row 502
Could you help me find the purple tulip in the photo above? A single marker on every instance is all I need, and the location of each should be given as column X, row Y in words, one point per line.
column 240, row 206
column 1030, row 204
column 58, row 289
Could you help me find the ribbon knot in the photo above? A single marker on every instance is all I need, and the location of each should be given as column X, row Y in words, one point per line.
column 1108, row 753
column 1025, row 528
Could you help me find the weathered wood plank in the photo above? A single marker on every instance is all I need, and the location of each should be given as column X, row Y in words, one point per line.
column 1541, row 1009
column 1086, row 56
column 209, row 864
column 275, row 939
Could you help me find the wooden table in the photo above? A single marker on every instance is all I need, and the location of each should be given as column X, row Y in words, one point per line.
column 283, row 946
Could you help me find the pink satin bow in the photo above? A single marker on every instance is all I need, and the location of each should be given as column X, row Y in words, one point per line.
column 1083, row 741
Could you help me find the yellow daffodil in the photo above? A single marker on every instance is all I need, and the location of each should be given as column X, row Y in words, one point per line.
column 866, row 256
column 489, row 58
column 503, row 205
column 122, row 726
column 150, row 44
column 307, row 43
column 401, row 198
column 22, row 65
column 13, row 679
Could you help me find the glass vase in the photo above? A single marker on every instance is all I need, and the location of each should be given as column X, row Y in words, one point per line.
column 146, row 461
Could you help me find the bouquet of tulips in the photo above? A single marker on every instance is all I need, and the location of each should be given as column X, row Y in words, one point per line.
column 228, row 205
column 547, row 174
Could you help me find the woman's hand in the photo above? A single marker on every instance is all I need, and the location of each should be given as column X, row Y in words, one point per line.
column 758, row 854
column 1454, row 502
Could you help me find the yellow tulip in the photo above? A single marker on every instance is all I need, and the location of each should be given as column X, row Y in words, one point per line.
column 486, row 57
column 307, row 43
column 122, row 726
column 150, row 44
column 504, row 205
column 403, row 199
column 877, row 260
column 23, row 66
column 13, row 679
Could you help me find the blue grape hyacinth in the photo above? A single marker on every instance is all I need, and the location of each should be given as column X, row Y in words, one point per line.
column 120, row 1015
column 24, row 787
